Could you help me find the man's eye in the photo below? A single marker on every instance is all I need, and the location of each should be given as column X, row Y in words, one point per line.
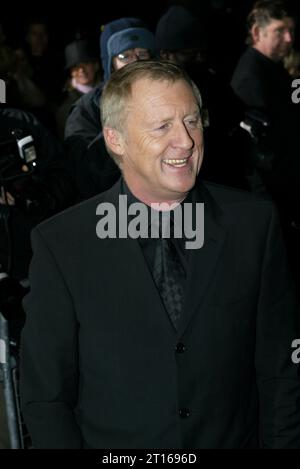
column 163, row 127
column 193, row 122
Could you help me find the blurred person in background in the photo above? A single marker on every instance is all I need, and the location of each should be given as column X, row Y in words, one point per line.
column 39, row 72
column 83, row 69
column 122, row 41
column 292, row 63
column 263, row 85
column 181, row 38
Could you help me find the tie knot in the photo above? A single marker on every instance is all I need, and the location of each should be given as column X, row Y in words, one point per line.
column 164, row 224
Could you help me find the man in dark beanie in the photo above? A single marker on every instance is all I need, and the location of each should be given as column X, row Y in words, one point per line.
column 181, row 38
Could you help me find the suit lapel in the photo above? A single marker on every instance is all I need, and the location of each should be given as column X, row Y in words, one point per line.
column 132, row 271
column 142, row 283
column 203, row 262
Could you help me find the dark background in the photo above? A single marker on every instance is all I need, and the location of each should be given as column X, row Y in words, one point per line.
column 223, row 22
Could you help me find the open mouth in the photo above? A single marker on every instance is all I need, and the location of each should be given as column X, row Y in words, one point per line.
column 176, row 163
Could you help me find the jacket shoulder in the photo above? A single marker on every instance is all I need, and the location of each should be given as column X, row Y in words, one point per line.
column 89, row 100
column 226, row 195
column 75, row 220
column 84, row 115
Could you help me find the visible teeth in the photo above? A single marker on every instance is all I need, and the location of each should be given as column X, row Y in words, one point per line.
column 176, row 161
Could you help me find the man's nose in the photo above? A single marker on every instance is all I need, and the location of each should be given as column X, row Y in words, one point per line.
column 289, row 36
column 182, row 137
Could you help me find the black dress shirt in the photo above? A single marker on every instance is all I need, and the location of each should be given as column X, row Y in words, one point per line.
column 148, row 244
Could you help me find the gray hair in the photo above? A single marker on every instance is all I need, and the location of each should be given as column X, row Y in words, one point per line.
column 264, row 11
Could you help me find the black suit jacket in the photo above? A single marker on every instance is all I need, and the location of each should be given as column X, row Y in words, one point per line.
column 93, row 170
column 265, row 86
column 102, row 365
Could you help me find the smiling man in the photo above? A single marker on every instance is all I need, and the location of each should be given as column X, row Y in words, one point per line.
column 141, row 343
column 160, row 150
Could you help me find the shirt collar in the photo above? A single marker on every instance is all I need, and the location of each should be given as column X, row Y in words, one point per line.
column 153, row 220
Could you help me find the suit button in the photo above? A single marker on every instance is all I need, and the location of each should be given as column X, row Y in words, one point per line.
column 184, row 413
column 180, row 348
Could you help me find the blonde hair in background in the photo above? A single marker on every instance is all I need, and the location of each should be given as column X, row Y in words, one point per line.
column 292, row 63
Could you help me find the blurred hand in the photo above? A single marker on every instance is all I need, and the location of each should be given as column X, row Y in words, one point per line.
column 6, row 198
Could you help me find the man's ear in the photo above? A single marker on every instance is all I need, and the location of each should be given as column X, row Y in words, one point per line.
column 114, row 140
column 255, row 33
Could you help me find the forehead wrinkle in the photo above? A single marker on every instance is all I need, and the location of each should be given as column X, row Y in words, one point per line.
column 158, row 111
column 151, row 106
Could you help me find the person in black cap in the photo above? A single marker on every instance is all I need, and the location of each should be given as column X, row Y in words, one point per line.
column 181, row 38
column 83, row 74
column 122, row 41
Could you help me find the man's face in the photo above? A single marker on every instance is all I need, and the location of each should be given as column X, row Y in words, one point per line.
column 276, row 39
column 130, row 55
column 38, row 38
column 85, row 73
column 162, row 145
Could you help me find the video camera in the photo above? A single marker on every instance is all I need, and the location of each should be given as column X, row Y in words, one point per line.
column 17, row 155
column 18, row 165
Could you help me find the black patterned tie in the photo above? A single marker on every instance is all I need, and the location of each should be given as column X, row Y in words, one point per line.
column 169, row 276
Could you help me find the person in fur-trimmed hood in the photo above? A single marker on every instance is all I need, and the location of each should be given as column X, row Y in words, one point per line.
column 122, row 41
